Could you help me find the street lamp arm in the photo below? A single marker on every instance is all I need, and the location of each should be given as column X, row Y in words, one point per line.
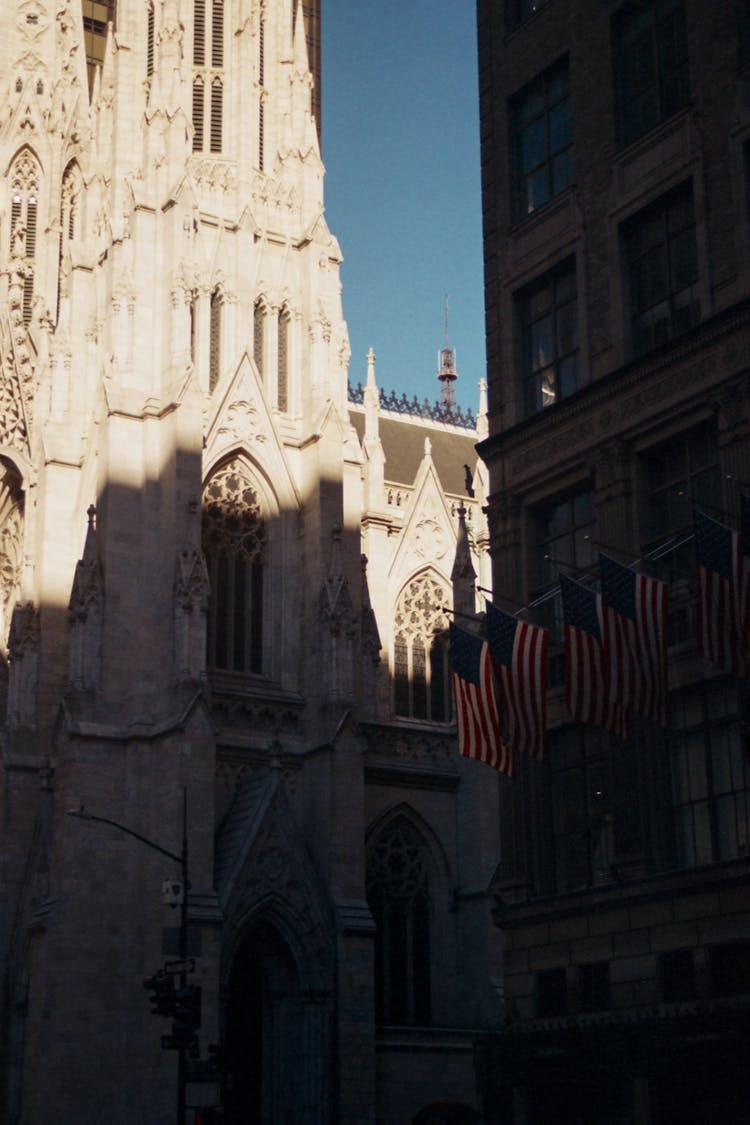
column 81, row 814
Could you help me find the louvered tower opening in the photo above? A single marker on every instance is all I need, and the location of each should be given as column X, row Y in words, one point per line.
column 208, row 76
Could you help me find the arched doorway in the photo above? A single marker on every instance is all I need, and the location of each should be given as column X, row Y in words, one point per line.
column 262, row 1031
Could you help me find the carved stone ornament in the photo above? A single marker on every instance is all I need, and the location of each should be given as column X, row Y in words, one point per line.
column 192, row 587
column 430, row 539
column 11, row 550
column 240, row 422
column 32, row 20
column 88, row 588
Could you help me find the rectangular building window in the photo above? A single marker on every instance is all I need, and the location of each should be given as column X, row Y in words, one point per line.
column 548, row 314
column 680, row 472
column 743, row 32
column 710, row 775
column 593, row 987
column 677, row 474
column 651, row 64
column 551, row 993
column 729, row 969
column 677, row 976
column 591, row 812
column 97, row 14
column 662, row 270
column 520, row 10
column 542, row 140
column 563, row 534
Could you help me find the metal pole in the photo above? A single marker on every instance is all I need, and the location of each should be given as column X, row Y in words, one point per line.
column 182, row 859
column 181, row 1059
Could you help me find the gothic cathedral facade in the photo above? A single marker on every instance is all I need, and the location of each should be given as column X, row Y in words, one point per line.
column 223, row 584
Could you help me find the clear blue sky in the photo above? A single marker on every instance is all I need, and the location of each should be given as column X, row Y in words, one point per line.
column 401, row 150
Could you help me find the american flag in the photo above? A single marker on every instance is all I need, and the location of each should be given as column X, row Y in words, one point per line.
column 477, row 714
column 634, row 634
column 720, row 592
column 585, row 672
column 519, row 652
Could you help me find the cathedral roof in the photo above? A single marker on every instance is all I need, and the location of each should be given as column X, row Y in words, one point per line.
column 403, row 445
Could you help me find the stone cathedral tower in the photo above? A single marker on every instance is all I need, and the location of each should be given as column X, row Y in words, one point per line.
column 187, row 496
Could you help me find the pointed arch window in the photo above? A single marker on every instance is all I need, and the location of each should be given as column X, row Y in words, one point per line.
column 259, row 316
column 193, row 327
column 282, row 366
column 69, row 218
column 208, row 76
column 234, row 543
column 261, row 92
column 420, row 665
column 398, row 894
column 24, row 183
column 214, row 339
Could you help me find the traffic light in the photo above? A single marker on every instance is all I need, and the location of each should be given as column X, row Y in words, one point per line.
column 216, row 1060
column 162, row 999
column 187, row 1014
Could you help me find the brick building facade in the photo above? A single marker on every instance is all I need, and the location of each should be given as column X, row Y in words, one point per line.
column 616, row 176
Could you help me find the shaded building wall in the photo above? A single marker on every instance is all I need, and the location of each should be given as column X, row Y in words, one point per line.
column 617, row 339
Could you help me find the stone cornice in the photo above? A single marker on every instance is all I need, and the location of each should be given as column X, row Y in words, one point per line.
column 626, row 398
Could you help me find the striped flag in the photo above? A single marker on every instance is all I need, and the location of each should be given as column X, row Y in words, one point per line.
column 477, row 714
column 634, row 617
column 585, row 672
column 519, row 653
column 720, row 593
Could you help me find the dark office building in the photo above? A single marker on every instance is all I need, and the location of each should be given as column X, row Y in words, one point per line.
column 616, row 196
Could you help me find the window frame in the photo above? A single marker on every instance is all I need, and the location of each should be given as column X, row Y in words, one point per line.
column 697, row 773
column 667, row 255
column 409, row 945
column 244, row 639
column 420, row 647
column 535, row 107
column 592, row 810
column 543, row 579
column 624, row 28
column 691, row 474
column 560, row 284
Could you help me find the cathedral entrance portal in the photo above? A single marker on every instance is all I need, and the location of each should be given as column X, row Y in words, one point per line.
column 262, row 1021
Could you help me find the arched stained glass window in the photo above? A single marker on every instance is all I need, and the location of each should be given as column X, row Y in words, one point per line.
column 259, row 316
column 214, row 339
column 282, row 366
column 420, row 665
column 398, row 894
column 234, row 543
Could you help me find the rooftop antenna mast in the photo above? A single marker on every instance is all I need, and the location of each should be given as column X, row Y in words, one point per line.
column 447, row 373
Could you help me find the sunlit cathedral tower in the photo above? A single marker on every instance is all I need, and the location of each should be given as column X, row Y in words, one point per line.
column 190, row 632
